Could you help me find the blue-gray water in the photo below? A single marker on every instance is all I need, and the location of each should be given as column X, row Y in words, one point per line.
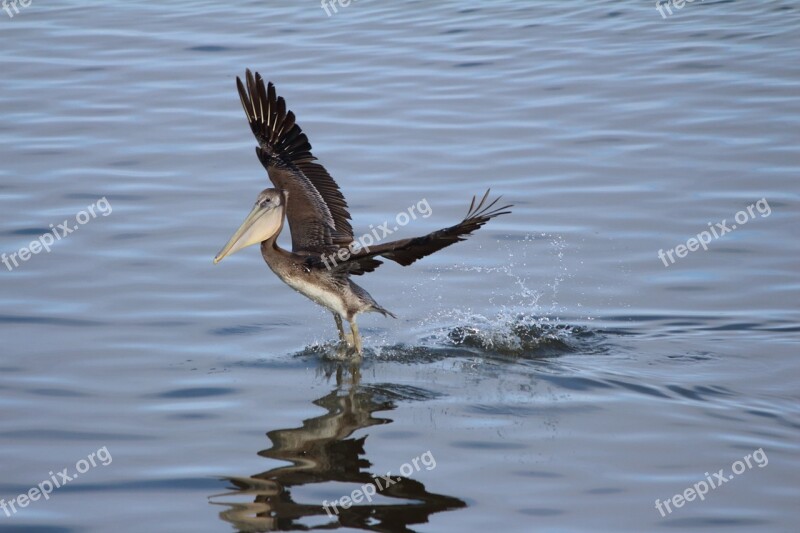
column 561, row 376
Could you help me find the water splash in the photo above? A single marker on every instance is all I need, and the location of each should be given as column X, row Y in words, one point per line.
column 521, row 326
column 525, row 335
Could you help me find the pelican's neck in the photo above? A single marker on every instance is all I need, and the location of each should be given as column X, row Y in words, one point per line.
column 278, row 259
column 272, row 242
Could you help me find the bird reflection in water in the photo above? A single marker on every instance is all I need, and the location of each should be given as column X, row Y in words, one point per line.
column 323, row 451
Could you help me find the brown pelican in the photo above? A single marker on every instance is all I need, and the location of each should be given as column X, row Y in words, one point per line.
column 324, row 253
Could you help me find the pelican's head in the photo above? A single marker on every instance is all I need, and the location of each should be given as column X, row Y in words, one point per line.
column 263, row 222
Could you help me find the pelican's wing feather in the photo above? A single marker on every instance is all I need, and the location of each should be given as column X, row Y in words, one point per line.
column 316, row 210
column 406, row 251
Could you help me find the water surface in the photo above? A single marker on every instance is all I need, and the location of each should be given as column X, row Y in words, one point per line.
column 563, row 378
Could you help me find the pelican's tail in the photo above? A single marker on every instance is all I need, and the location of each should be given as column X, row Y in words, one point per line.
column 385, row 312
column 368, row 302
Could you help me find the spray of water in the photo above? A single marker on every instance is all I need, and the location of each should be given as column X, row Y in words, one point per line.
column 524, row 321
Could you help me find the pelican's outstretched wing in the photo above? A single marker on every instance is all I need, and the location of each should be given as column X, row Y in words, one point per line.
column 316, row 209
column 407, row 251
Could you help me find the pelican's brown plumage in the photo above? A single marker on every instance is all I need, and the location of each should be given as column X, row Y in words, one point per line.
column 308, row 198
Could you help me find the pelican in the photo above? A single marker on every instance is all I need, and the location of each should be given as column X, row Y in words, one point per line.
column 324, row 253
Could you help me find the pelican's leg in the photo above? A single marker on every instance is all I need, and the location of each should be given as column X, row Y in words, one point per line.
column 356, row 336
column 342, row 334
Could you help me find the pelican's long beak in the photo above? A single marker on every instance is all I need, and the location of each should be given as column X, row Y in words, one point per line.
column 260, row 225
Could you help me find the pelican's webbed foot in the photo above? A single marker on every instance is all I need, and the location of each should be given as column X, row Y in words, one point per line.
column 350, row 340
